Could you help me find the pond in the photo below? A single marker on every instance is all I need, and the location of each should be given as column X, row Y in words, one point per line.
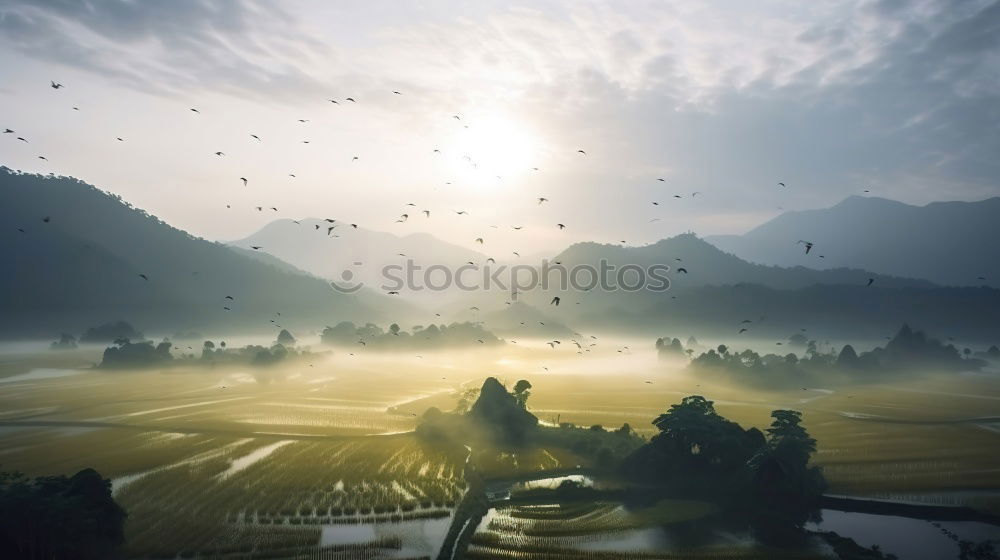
column 909, row 539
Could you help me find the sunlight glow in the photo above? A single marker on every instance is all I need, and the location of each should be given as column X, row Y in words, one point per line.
column 493, row 150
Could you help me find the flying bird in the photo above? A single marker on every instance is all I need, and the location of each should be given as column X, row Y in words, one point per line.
column 581, row 152
column 555, row 301
column 144, row 277
column 254, row 136
column 22, row 139
column 541, row 200
column 870, row 282
column 220, row 154
column 561, row 226
column 808, row 245
column 244, row 179
column 8, row 131
column 479, row 240
column 195, row 111
column 742, row 331
column 351, row 99
column 56, row 85
column 256, row 247
column 427, row 213
column 682, row 269
column 781, row 184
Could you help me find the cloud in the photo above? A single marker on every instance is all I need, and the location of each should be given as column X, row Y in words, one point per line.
column 178, row 47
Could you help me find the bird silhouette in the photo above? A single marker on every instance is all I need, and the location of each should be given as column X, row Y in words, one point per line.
column 144, row 277
column 870, row 282
column 244, row 179
column 8, row 131
column 256, row 247
column 561, row 226
column 220, row 154
column 542, row 199
column 682, row 269
column 555, row 301
column 55, row 85
column 255, row 137
column 581, row 152
column 195, row 111
column 808, row 245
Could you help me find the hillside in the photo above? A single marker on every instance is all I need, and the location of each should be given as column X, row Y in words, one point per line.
column 80, row 255
column 948, row 243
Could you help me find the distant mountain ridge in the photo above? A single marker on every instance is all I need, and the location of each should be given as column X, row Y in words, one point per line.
column 362, row 252
column 948, row 243
column 82, row 255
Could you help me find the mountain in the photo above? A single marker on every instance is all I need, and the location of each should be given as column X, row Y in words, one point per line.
column 361, row 252
column 78, row 263
column 720, row 291
column 949, row 243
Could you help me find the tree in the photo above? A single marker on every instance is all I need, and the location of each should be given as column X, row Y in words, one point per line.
column 59, row 518
column 522, row 390
column 209, row 345
column 394, row 329
column 285, row 338
column 722, row 349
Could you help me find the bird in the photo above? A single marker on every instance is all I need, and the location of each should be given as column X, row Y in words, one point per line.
column 220, row 154
column 808, row 245
column 334, row 101
column 144, row 277
column 517, row 227
column 682, row 269
column 393, row 293
column 870, row 282
column 555, row 301
column 303, row 120
column 355, row 158
column 43, row 157
column 226, row 308
column 230, row 298
column 46, row 219
column 427, row 213
column 195, row 111
column 329, row 230
column 781, row 184
column 56, row 85
column 660, row 179
column 244, row 179
column 396, row 93
column 22, row 139
column 8, row 131
column 581, row 152
column 561, row 226
column 254, row 136
column 461, row 212
column 542, row 199
column 742, row 331
column 119, row 138
column 351, row 99
column 479, row 240
column 256, row 247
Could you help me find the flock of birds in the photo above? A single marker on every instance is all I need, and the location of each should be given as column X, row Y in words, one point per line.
column 332, row 224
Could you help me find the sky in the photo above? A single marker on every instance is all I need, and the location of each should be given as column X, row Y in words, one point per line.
column 726, row 99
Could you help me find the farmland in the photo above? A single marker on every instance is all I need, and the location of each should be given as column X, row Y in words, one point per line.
column 317, row 458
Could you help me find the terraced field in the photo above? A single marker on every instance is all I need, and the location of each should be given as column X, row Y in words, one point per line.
column 314, row 459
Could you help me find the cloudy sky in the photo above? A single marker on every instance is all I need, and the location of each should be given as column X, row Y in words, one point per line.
column 723, row 98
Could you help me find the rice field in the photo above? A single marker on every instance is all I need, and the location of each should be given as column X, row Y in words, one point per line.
column 314, row 459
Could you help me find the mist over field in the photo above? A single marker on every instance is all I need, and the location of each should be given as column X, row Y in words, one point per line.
column 533, row 281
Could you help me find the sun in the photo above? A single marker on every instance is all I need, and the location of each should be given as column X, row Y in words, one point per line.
column 493, row 149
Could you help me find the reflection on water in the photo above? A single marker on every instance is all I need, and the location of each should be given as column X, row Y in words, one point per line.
column 419, row 537
column 909, row 539
column 39, row 374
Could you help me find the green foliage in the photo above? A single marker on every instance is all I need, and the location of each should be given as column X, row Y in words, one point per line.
column 58, row 517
